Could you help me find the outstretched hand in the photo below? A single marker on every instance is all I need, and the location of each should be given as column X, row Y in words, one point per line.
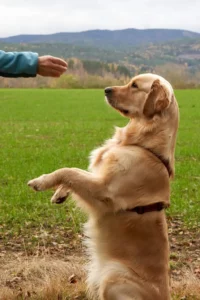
column 50, row 66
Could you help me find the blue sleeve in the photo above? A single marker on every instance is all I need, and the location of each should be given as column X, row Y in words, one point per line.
column 18, row 64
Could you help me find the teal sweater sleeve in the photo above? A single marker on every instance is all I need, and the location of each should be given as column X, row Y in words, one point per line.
column 18, row 64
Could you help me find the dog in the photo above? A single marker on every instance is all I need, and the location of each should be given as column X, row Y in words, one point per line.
column 125, row 193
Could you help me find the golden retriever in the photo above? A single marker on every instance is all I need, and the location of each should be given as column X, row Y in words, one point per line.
column 125, row 192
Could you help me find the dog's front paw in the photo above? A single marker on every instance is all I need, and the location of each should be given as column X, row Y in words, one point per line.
column 38, row 184
column 61, row 194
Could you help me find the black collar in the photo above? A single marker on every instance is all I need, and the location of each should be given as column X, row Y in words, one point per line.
column 158, row 206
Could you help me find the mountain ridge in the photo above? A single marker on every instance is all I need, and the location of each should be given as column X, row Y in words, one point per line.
column 120, row 38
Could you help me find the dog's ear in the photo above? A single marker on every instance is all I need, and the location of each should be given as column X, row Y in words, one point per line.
column 157, row 101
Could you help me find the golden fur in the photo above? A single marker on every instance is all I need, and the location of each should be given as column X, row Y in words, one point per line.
column 128, row 251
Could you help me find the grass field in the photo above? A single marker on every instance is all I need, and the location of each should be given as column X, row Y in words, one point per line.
column 42, row 130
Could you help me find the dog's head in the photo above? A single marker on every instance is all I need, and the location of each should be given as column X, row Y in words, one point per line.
column 149, row 101
column 143, row 97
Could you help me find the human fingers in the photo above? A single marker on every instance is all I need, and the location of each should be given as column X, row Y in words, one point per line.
column 58, row 68
column 58, row 61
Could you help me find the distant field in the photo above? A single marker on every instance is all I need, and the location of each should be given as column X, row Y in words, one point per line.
column 42, row 130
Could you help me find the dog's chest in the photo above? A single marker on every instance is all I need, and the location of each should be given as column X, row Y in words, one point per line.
column 98, row 157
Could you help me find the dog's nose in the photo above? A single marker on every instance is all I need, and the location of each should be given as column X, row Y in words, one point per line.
column 108, row 90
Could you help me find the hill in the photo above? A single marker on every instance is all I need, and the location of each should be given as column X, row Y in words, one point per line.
column 175, row 54
column 107, row 39
column 181, row 52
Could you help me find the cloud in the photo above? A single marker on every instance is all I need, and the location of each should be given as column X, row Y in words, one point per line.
column 47, row 16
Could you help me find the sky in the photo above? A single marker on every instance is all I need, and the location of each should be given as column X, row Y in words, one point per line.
column 48, row 16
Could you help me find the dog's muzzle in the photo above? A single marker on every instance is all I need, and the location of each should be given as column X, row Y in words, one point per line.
column 108, row 95
column 108, row 91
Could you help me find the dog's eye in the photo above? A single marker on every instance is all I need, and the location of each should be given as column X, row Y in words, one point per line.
column 134, row 85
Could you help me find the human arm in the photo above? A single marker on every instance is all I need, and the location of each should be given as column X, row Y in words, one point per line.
column 29, row 64
column 18, row 64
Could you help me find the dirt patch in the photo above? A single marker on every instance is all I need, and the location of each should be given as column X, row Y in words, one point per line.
column 42, row 278
column 184, row 249
column 53, row 268
column 49, row 278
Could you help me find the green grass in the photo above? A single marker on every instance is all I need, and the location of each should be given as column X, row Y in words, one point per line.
column 43, row 130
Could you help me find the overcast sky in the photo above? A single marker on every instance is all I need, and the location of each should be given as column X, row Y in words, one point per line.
column 50, row 16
